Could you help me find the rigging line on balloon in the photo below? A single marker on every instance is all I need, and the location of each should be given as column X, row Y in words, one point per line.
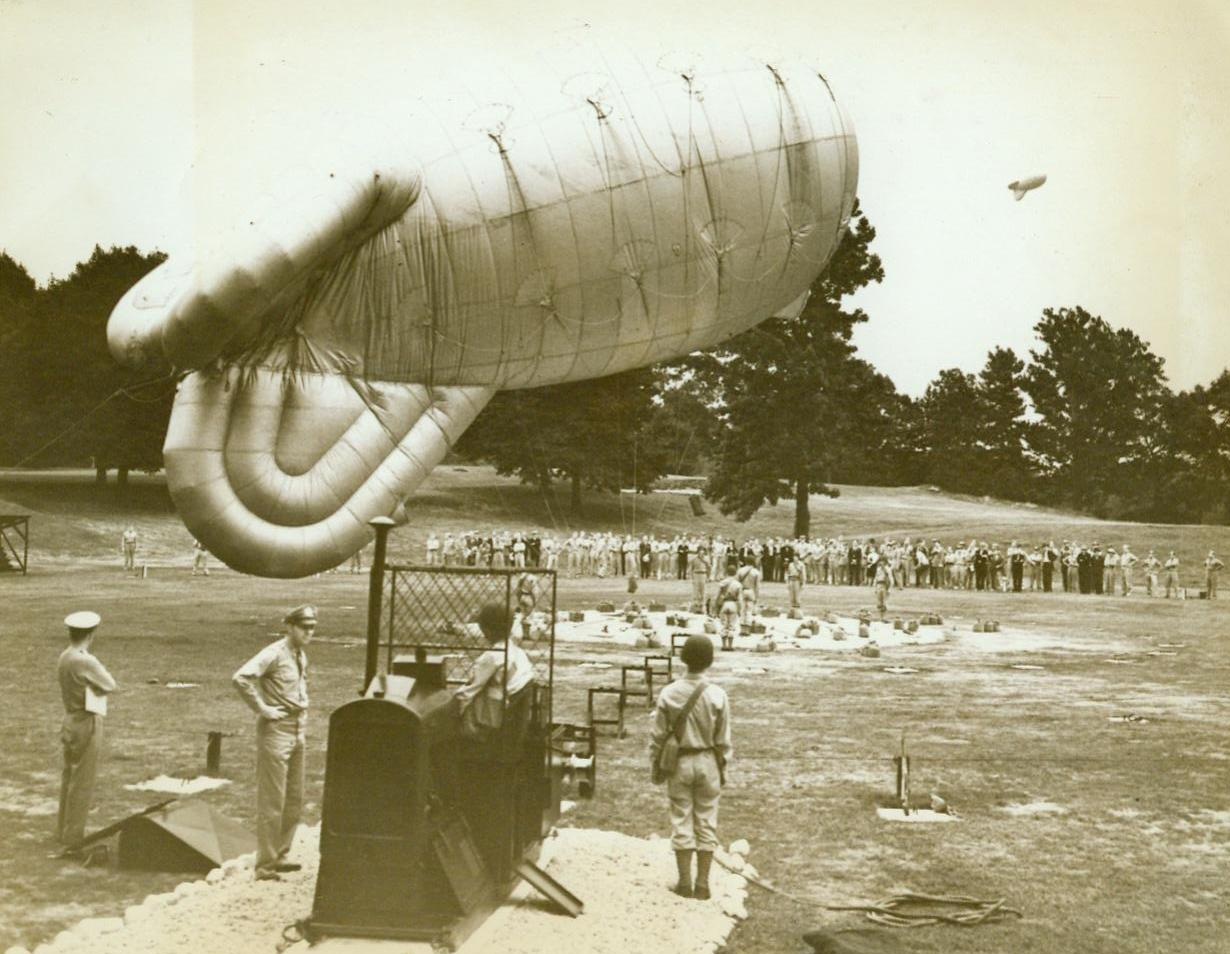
column 544, row 474
column 154, row 400
column 554, row 491
column 845, row 152
column 687, row 196
column 777, row 175
column 88, row 414
column 635, row 488
column 687, row 445
column 631, row 118
column 519, row 210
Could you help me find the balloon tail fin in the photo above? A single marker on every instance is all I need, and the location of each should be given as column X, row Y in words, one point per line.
column 278, row 476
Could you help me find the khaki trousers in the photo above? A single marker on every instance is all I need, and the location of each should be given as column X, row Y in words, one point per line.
column 280, row 773
column 881, row 598
column 694, row 790
column 747, row 607
column 698, row 593
column 81, row 737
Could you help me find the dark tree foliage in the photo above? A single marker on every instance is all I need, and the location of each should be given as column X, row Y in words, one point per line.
column 797, row 408
column 67, row 399
column 1193, row 482
column 1002, row 434
column 1098, row 394
column 973, row 429
column 683, row 425
column 590, row 434
column 948, row 413
column 18, row 300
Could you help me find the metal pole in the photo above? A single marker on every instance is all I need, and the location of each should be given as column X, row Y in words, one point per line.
column 375, row 589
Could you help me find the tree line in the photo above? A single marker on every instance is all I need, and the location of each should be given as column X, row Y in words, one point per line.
column 1086, row 420
column 66, row 402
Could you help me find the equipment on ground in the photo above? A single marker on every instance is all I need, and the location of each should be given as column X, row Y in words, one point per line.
column 172, row 835
column 188, row 836
column 425, row 829
column 902, row 764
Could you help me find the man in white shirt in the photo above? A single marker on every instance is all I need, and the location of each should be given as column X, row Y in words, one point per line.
column 481, row 701
column 83, row 682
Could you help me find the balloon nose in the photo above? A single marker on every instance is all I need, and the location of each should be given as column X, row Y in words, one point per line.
column 135, row 328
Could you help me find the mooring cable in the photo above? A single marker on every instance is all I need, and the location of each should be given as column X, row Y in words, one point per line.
column 889, row 913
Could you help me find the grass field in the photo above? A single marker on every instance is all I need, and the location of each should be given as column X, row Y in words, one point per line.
column 1108, row 836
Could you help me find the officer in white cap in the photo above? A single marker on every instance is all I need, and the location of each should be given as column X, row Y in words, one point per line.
column 274, row 685
column 84, row 686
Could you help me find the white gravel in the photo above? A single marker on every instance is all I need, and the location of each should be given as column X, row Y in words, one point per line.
column 179, row 786
column 623, row 881
column 840, row 636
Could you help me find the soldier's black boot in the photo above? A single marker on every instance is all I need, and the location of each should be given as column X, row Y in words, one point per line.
column 703, row 861
column 683, row 861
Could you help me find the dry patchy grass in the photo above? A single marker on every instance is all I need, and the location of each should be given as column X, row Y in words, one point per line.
column 1109, row 836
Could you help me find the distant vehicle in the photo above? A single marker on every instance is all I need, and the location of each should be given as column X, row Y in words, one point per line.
column 1021, row 186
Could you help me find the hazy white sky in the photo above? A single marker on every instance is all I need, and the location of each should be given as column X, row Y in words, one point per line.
column 111, row 111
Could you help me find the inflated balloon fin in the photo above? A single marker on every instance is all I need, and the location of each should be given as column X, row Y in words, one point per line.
column 287, row 469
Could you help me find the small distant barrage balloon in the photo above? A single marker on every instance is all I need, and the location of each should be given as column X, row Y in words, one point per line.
column 1021, row 186
column 591, row 217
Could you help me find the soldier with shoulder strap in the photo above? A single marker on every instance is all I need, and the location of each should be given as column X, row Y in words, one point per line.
column 695, row 716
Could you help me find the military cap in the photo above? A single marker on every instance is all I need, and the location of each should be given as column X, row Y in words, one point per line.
column 82, row 619
column 300, row 614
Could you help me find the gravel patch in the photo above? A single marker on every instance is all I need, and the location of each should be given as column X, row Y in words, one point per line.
column 623, row 881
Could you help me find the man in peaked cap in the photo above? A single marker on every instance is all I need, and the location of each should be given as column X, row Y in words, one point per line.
column 273, row 683
column 84, row 685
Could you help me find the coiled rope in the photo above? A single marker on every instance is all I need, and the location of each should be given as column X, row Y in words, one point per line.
column 909, row 909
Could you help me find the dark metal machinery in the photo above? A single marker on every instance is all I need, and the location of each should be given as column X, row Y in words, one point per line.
column 424, row 830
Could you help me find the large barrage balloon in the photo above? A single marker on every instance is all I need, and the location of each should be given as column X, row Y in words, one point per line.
column 565, row 227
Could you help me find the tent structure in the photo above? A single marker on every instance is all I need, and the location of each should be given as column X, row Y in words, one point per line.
column 182, row 836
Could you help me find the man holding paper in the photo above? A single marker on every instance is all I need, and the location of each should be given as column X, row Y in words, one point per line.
column 84, row 685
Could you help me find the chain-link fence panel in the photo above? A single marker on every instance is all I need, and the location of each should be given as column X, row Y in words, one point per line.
column 435, row 608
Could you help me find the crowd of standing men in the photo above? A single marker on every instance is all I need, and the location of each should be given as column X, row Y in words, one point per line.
column 1070, row 566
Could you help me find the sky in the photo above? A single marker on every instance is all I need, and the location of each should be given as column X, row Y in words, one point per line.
column 120, row 124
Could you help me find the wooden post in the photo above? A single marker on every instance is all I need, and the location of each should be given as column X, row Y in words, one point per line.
column 213, row 755
column 903, row 777
column 375, row 590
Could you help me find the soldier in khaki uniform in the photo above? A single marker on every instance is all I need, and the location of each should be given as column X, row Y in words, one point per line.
column 698, row 572
column 274, row 685
column 705, row 750
column 796, row 573
column 883, row 582
column 729, row 596
column 1212, row 569
column 1172, row 574
column 1127, row 565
